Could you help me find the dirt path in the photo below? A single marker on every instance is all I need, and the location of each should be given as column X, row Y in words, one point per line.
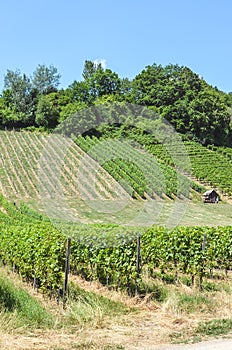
column 220, row 344
column 97, row 341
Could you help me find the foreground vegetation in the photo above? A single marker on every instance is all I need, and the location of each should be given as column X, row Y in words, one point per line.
column 99, row 318
column 20, row 310
column 32, row 246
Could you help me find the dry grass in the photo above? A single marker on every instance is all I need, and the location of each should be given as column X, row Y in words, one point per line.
column 150, row 323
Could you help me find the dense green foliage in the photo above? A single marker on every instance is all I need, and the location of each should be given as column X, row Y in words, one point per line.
column 31, row 245
column 36, row 250
column 181, row 97
column 175, row 92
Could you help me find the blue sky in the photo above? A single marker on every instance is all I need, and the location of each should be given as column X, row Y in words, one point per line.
column 128, row 34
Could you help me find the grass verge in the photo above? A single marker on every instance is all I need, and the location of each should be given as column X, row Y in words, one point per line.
column 18, row 309
column 98, row 318
column 214, row 327
column 85, row 307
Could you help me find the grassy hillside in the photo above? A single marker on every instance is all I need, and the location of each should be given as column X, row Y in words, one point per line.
column 39, row 169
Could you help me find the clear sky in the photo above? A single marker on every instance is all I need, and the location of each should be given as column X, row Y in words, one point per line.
column 127, row 34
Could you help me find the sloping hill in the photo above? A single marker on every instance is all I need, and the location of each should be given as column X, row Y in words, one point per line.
column 24, row 174
column 33, row 164
column 211, row 166
column 96, row 183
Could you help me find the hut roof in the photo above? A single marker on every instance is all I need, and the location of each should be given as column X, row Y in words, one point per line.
column 207, row 193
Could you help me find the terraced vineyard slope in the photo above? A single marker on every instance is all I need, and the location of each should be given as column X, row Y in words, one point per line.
column 88, row 177
column 23, row 169
column 211, row 165
column 31, row 161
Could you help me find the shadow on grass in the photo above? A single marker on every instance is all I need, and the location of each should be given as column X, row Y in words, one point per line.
column 17, row 303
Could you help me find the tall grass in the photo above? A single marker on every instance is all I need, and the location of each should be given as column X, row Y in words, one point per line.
column 87, row 307
column 18, row 309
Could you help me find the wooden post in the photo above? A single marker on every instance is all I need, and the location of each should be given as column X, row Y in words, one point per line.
column 204, row 242
column 67, row 269
column 138, row 260
column 138, row 255
column 203, row 263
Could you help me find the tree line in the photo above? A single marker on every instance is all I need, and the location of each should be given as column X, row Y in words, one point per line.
column 196, row 109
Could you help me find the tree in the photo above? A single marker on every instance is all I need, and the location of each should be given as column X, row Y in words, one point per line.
column 19, row 98
column 79, row 91
column 147, row 84
column 126, row 90
column 209, row 117
column 2, row 111
column 46, row 79
column 100, row 81
column 163, row 86
column 71, row 109
column 47, row 112
column 105, row 82
column 185, row 100
column 89, row 69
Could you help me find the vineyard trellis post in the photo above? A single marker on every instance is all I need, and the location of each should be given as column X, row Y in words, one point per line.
column 204, row 242
column 67, row 270
column 138, row 261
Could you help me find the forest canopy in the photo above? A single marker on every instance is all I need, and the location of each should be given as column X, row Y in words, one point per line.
column 195, row 109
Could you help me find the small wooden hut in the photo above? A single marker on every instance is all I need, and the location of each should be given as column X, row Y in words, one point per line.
column 210, row 196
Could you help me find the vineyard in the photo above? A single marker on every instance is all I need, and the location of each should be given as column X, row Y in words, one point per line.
column 140, row 173
column 102, row 175
column 35, row 249
column 107, row 170
column 23, row 176
column 211, row 165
